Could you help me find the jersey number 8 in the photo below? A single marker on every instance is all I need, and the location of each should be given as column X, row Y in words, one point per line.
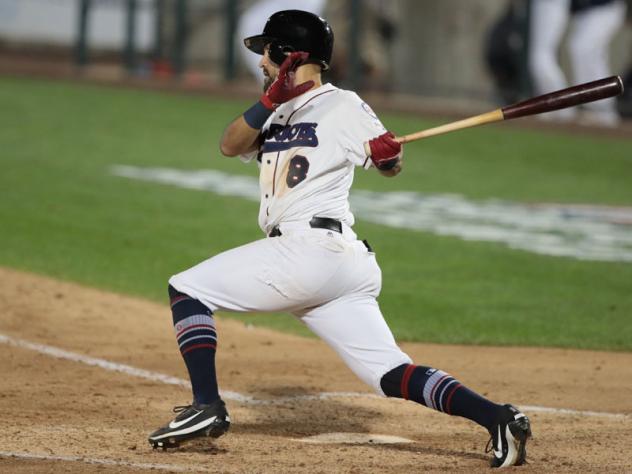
column 297, row 170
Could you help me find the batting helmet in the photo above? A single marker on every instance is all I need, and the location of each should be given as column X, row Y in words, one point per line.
column 295, row 30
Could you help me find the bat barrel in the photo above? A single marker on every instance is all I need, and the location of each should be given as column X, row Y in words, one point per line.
column 576, row 95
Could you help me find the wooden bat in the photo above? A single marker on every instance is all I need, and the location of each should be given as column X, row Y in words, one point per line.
column 569, row 97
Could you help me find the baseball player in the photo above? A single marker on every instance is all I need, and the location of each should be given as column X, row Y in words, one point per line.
column 307, row 138
column 593, row 25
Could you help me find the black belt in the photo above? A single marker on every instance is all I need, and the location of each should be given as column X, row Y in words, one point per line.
column 314, row 223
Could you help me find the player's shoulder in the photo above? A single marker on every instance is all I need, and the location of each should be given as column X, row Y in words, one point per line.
column 344, row 95
column 350, row 101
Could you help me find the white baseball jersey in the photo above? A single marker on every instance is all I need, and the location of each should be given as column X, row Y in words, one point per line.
column 329, row 280
column 310, row 147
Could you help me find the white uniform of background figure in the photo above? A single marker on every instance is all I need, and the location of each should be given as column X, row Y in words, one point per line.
column 329, row 280
column 252, row 21
column 591, row 30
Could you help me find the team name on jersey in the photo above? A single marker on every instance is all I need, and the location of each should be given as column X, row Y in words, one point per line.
column 283, row 137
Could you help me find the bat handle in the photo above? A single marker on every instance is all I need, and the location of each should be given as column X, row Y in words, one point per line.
column 488, row 117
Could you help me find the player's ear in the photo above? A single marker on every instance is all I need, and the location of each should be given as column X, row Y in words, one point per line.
column 279, row 51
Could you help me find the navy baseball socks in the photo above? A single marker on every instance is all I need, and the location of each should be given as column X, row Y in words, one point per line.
column 508, row 427
column 197, row 340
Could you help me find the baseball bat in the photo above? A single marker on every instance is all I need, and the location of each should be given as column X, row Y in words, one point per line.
column 569, row 97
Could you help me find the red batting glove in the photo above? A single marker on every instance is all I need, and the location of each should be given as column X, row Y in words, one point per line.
column 385, row 151
column 283, row 88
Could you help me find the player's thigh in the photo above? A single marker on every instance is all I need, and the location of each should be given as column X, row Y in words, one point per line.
column 549, row 19
column 241, row 279
column 593, row 30
column 354, row 327
column 322, row 267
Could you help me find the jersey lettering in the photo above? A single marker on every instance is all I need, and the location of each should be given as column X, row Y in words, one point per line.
column 297, row 171
column 283, row 137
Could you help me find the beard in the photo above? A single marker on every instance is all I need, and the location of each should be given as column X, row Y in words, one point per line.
column 269, row 76
column 267, row 82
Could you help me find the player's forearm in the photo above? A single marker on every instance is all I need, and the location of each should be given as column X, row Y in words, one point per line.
column 242, row 135
column 238, row 138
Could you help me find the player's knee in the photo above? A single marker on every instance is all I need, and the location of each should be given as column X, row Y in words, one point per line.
column 391, row 381
column 184, row 306
column 175, row 295
column 172, row 292
column 541, row 64
column 580, row 50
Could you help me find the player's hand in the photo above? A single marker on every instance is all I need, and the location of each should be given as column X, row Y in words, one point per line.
column 283, row 88
column 385, row 151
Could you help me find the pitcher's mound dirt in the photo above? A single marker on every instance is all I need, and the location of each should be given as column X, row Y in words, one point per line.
column 65, row 416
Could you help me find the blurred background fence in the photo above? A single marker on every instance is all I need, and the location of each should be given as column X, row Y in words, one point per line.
column 443, row 49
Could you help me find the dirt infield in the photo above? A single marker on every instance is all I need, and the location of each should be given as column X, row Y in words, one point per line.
column 66, row 416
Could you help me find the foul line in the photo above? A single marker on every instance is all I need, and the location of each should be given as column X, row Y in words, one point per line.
column 101, row 461
column 238, row 397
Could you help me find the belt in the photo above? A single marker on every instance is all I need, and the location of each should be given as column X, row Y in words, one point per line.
column 314, row 223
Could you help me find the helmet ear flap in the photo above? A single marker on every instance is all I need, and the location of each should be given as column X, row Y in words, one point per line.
column 278, row 51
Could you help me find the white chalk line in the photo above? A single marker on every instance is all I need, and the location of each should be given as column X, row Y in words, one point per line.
column 568, row 411
column 101, row 461
column 585, row 232
column 247, row 399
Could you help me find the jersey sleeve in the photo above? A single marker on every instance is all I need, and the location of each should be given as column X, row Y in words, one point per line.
column 360, row 124
column 248, row 157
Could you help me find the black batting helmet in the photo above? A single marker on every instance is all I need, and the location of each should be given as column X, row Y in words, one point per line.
column 295, row 30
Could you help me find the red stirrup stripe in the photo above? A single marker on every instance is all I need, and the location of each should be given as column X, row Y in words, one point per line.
column 179, row 298
column 198, row 346
column 434, row 390
column 405, row 379
column 447, row 403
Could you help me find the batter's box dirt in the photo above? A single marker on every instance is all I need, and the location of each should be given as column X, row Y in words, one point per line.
column 60, row 415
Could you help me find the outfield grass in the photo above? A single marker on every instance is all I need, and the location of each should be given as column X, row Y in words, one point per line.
column 63, row 214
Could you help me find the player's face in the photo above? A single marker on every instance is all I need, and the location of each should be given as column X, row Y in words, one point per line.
column 269, row 68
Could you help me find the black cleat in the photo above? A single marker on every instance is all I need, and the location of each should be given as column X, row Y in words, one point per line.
column 509, row 438
column 192, row 421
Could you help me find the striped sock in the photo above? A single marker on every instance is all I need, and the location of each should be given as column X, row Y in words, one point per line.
column 439, row 391
column 195, row 332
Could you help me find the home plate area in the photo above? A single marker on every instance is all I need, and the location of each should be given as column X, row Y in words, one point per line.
column 354, row 438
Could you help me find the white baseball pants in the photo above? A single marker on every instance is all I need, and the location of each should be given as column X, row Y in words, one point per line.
column 588, row 44
column 328, row 280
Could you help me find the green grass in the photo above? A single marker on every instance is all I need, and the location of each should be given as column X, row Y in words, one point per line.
column 62, row 214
